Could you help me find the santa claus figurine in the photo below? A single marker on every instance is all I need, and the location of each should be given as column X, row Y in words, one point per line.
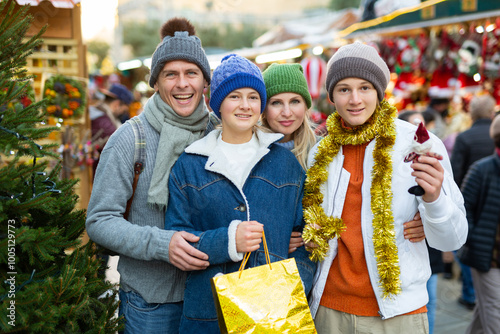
column 421, row 145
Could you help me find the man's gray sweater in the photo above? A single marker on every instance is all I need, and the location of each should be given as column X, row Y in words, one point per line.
column 142, row 241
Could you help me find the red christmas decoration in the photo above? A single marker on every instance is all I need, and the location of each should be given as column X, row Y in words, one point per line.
column 315, row 73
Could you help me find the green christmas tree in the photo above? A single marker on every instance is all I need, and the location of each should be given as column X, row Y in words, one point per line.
column 50, row 281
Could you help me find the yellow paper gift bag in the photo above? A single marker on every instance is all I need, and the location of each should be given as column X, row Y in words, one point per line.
column 265, row 299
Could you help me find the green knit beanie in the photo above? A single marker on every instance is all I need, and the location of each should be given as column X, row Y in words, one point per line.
column 286, row 78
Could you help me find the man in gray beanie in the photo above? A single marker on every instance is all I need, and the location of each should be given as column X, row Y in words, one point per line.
column 370, row 277
column 153, row 260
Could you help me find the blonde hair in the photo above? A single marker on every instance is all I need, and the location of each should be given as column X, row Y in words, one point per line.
column 303, row 138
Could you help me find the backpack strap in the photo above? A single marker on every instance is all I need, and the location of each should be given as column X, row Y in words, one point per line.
column 213, row 122
column 139, row 157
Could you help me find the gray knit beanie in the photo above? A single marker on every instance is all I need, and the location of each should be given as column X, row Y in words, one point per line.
column 357, row 60
column 178, row 45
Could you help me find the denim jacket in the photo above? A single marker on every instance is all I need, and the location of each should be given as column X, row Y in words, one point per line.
column 205, row 202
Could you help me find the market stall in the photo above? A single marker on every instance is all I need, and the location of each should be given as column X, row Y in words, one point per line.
column 437, row 48
column 60, row 76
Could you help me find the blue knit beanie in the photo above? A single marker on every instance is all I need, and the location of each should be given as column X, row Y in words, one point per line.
column 122, row 93
column 235, row 72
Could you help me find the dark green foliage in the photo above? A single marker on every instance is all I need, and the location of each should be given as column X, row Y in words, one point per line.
column 49, row 281
column 343, row 4
column 228, row 36
column 142, row 37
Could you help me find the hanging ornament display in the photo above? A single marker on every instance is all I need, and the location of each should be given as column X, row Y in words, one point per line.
column 468, row 63
column 407, row 63
column 443, row 83
column 491, row 51
column 315, row 73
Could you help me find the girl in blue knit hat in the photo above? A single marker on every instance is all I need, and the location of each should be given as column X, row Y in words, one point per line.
column 231, row 186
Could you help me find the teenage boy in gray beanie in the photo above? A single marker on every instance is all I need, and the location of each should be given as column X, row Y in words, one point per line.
column 152, row 259
column 371, row 278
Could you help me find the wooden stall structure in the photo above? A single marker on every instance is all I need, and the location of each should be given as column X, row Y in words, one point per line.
column 62, row 53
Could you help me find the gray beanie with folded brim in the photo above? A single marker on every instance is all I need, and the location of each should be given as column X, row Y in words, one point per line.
column 181, row 46
column 357, row 60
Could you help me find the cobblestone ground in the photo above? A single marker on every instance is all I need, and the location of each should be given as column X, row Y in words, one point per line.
column 451, row 317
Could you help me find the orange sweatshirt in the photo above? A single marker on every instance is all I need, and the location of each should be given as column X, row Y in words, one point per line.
column 348, row 288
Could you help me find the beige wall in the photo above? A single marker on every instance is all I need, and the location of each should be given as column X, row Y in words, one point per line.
column 216, row 10
column 264, row 13
column 255, row 7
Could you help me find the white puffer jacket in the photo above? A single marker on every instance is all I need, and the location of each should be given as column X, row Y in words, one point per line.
column 444, row 220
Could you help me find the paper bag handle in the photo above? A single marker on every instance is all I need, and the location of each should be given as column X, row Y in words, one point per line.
column 247, row 256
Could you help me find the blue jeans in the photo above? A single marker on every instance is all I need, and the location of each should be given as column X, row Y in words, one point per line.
column 142, row 317
column 468, row 293
column 431, row 305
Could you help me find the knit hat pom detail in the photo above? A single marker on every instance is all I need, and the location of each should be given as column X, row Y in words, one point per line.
column 174, row 25
column 179, row 42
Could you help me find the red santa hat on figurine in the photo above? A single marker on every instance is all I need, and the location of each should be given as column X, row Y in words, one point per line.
column 421, row 145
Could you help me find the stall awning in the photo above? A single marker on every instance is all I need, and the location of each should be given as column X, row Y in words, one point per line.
column 55, row 3
column 428, row 14
column 309, row 28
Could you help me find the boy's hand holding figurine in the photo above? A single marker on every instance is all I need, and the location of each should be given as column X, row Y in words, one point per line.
column 428, row 171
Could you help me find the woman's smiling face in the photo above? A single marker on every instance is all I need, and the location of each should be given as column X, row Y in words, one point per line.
column 285, row 113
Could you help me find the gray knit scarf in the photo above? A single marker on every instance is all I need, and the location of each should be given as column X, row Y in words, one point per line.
column 176, row 133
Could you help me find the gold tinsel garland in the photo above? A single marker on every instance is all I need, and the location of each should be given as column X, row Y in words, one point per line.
column 320, row 228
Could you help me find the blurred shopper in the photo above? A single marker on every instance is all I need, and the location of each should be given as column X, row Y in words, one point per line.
column 470, row 146
column 412, row 116
column 481, row 190
column 152, row 259
column 105, row 115
column 474, row 143
column 438, row 107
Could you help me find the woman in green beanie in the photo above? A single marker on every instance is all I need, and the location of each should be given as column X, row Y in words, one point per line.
column 288, row 108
